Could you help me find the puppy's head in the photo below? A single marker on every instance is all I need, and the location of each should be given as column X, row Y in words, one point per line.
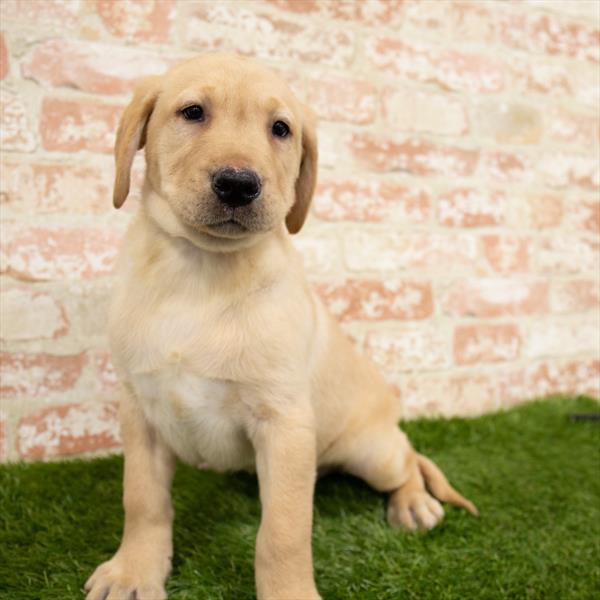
column 230, row 152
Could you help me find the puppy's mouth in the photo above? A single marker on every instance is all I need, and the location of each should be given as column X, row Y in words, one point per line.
column 228, row 228
column 234, row 223
column 218, row 220
column 226, row 221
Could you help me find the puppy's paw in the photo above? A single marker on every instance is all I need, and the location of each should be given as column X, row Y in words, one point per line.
column 415, row 509
column 123, row 579
column 308, row 593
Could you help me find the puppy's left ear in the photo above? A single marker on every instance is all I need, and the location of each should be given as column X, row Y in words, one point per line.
column 307, row 177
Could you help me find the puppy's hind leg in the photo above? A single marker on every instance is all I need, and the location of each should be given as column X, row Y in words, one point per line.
column 384, row 458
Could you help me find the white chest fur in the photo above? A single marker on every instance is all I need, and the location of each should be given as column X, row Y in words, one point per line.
column 198, row 418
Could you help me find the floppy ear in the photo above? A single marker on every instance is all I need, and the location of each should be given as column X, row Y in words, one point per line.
column 131, row 135
column 307, row 177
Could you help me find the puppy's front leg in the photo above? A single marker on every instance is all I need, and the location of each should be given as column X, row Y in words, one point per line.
column 143, row 561
column 285, row 447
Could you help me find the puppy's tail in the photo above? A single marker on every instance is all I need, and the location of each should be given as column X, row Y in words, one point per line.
column 438, row 485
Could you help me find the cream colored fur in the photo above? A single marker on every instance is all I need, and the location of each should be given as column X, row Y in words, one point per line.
column 227, row 357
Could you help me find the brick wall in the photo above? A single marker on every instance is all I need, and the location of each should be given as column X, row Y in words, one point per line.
column 455, row 232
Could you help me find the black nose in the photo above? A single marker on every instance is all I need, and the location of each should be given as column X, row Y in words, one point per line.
column 236, row 187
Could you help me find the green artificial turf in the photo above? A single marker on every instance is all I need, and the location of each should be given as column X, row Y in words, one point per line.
column 534, row 475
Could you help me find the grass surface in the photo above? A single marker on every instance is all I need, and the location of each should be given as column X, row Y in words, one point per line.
column 534, row 475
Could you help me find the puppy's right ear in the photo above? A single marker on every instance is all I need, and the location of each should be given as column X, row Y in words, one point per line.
column 131, row 135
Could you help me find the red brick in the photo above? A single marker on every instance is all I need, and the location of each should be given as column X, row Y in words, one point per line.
column 575, row 81
column 341, row 99
column 357, row 200
column 29, row 314
column 50, row 253
column 408, row 348
column 73, row 125
column 561, row 170
column 254, row 32
column 507, row 253
column 376, row 300
column 304, row 7
column 565, row 253
column 415, row 111
column 470, row 207
column 507, row 166
column 486, row 343
column 4, row 64
column 50, row 187
column 16, row 124
column 83, row 65
column 543, row 212
column 541, row 379
column 447, row 395
column 575, row 295
column 536, row 32
column 462, row 21
column 486, row 297
column 140, row 20
column 38, row 375
column 373, row 249
column 540, row 76
column 202, row 37
column 568, row 127
column 105, row 371
column 447, row 68
column 584, row 215
column 44, row 14
column 374, row 12
column 418, row 157
column 68, row 429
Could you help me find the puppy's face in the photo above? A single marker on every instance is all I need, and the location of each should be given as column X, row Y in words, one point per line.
column 230, row 152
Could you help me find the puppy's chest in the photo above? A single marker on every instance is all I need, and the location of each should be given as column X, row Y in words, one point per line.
column 181, row 369
column 212, row 340
column 201, row 419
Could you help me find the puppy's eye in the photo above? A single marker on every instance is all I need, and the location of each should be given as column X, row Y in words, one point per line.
column 280, row 129
column 193, row 113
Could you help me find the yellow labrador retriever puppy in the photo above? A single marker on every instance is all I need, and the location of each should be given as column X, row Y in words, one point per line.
column 227, row 357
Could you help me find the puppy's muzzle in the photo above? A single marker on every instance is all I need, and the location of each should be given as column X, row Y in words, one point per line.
column 236, row 187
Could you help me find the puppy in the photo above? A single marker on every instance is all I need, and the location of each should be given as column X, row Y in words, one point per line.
column 226, row 356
